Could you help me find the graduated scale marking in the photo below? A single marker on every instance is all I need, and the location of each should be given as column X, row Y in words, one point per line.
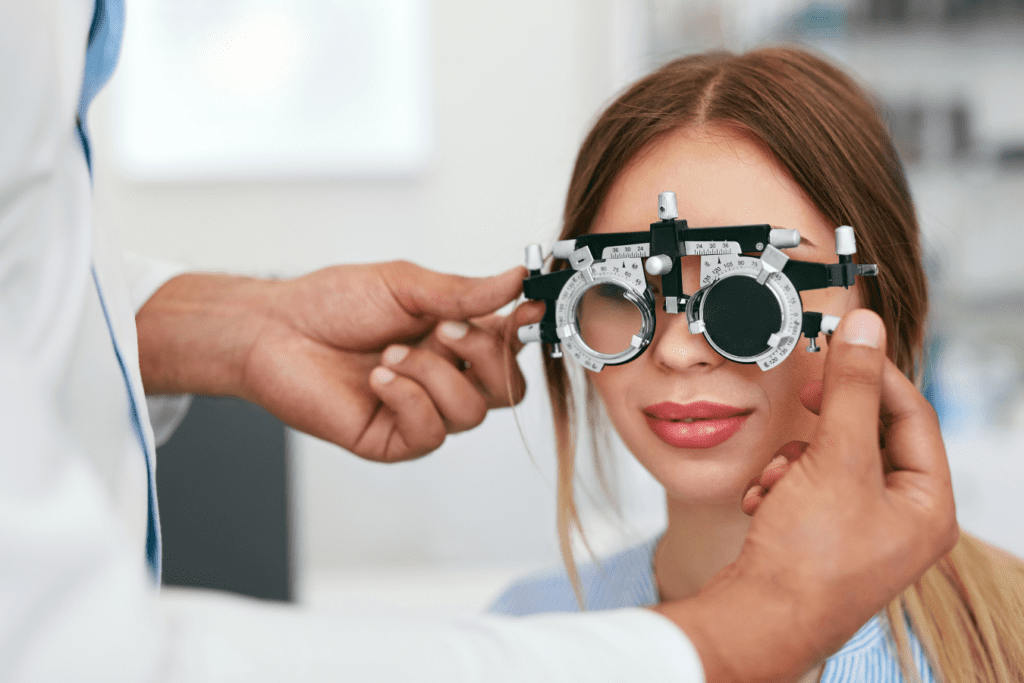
column 711, row 248
column 712, row 271
column 641, row 250
column 690, row 248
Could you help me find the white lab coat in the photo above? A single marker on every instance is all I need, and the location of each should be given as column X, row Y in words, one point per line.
column 76, row 600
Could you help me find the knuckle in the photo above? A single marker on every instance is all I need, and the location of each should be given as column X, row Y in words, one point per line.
column 428, row 438
column 518, row 391
column 435, row 437
column 393, row 454
column 509, row 388
column 938, row 513
column 479, row 410
column 928, row 411
column 475, row 411
column 398, row 271
column 516, row 387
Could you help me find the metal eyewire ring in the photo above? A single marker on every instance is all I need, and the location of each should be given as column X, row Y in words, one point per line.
column 569, row 332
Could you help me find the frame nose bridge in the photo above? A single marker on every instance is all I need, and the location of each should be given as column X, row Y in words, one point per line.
column 674, row 347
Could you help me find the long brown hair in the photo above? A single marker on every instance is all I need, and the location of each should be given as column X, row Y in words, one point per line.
column 821, row 127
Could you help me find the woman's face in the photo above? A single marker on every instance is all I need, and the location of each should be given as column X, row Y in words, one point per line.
column 659, row 402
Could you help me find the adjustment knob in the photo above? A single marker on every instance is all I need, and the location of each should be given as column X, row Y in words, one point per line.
column 534, row 258
column 529, row 333
column 784, row 238
column 846, row 243
column 667, row 210
column 658, row 265
column 829, row 323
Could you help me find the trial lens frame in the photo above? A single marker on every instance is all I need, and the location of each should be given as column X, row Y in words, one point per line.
column 748, row 308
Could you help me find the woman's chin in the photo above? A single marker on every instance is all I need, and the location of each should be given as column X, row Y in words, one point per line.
column 707, row 483
column 712, row 476
column 726, row 499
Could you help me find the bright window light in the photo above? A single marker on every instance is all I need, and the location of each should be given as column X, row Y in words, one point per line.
column 236, row 89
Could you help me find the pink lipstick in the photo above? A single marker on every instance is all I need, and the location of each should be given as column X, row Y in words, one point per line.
column 695, row 425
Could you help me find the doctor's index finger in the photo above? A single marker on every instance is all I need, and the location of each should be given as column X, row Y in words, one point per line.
column 851, row 393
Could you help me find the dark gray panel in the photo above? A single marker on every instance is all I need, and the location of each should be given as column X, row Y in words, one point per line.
column 222, row 485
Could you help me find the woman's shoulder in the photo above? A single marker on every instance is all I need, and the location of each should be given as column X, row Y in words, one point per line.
column 624, row 579
column 871, row 656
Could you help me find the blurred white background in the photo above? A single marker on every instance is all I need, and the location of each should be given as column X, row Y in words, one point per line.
column 492, row 100
column 242, row 89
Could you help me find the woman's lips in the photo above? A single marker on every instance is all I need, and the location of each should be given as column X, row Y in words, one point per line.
column 695, row 425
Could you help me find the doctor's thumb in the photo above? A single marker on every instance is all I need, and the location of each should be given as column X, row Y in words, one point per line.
column 851, row 391
column 428, row 293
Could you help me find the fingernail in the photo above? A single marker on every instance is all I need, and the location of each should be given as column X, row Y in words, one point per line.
column 453, row 330
column 777, row 461
column 862, row 328
column 382, row 375
column 395, row 354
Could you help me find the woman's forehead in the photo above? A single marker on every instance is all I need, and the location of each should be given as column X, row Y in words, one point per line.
column 720, row 178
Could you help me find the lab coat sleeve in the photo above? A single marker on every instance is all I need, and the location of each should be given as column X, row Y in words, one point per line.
column 77, row 606
column 145, row 275
column 237, row 641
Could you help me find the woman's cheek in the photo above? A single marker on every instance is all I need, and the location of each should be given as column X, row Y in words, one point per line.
column 612, row 385
column 790, row 418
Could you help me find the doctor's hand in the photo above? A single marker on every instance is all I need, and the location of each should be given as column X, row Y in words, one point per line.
column 840, row 534
column 382, row 359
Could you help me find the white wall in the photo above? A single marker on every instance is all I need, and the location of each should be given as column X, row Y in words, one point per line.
column 516, row 84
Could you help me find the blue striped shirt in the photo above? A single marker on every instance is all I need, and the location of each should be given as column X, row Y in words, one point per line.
column 626, row 579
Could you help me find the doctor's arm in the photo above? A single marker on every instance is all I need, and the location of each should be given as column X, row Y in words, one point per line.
column 382, row 359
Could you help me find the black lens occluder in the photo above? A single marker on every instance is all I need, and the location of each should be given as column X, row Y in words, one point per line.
column 740, row 315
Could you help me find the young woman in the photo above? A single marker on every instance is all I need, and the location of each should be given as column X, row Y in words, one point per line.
column 774, row 136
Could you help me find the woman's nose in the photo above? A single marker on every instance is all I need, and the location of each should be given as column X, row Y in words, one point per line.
column 675, row 349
